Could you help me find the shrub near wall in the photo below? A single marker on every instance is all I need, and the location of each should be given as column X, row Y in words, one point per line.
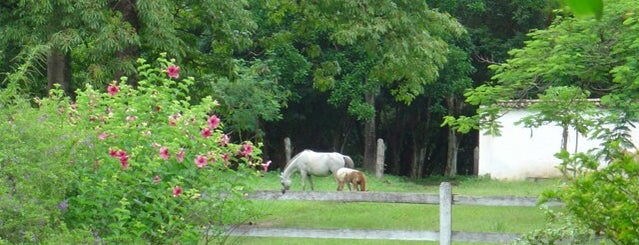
column 152, row 168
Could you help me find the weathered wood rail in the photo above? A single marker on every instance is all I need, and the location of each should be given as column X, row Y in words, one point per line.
column 445, row 199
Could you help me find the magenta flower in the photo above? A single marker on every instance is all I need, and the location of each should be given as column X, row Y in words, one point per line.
column 246, row 150
column 124, row 160
column 225, row 157
column 113, row 153
column 265, row 166
column 206, row 132
column 113, row 89
column 164, row 153
column 173, row 71
column 214, row 122
column 156, row 179
column 225, row 140
column 200, row 161
column 180, row 155
column 177, row 191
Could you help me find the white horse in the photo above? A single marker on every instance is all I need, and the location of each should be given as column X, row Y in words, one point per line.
column 310, row 163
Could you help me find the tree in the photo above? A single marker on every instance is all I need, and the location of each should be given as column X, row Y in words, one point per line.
column 574, row 58
column 358, row 48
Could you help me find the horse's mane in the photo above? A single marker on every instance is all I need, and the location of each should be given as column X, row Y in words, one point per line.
column 295, row 158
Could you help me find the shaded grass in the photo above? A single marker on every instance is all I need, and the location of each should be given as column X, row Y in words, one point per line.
column 310, row 214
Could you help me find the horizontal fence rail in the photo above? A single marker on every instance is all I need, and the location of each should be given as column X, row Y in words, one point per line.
column 445, row 199
column 396, row 197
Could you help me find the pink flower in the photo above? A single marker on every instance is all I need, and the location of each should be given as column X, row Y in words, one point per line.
column 156, row 179
column 113, row 89
column 124, row 160
column 246, row 150
column 173, row 71
column 177, row 191
column 206, row 132
column 173, row 119
column 214, row 121
column 265, row 166
column 102, row 136
column 225, row 157
column 131, row 118
column 200, row 161
column 113, row 153
column 180, row 155
column 225, row 140
column 164, row 153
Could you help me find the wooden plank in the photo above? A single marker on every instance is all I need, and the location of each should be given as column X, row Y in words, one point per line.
column 405, row 235
column 501, row 238
column 347, row 196
column 499, row 201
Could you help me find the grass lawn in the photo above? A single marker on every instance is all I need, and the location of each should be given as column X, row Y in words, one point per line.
column 303, row 214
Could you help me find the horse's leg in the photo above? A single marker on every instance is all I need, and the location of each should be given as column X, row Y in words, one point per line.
column 303, row 174
column 310, row 180
column 340, row 185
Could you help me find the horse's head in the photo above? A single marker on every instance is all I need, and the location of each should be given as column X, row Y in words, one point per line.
column 286, row 183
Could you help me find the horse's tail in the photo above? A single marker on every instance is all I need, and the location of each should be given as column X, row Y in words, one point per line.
column 348, row 162
column 362, row 181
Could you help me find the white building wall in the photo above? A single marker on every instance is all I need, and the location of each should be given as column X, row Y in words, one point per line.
column 520, row 152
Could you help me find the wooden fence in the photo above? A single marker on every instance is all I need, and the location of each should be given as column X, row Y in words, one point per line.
column 445, row 199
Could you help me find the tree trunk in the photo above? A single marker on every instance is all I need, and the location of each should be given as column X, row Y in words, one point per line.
column 453, row 144
column 129, row 54
column 59, row 70
column 370, row 144
column 451, row 155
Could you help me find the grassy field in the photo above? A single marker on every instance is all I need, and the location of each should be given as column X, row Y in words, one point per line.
column 302, row 214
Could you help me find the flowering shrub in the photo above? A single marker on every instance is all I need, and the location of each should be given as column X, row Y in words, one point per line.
column 160, row 172
column 144, row 165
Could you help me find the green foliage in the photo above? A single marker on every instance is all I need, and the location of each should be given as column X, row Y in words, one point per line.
column 126, row 165
column 586, row 7
column 599, row 200
column 36, row 168
column 253, row 97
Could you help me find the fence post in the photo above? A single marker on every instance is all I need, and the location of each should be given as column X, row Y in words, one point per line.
column 379, row 162
column 445, row 213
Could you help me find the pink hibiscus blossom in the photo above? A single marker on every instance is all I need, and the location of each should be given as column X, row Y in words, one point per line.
column 225, row 157
column 177, row 191
column 200, row 161
column 265, row 166
column 113, row 89
column 206, row 132
column 214, row 121
column 124, row 160
column 102, row 136
column 246, row 150
column 113, row 153
column 180, row 155
column 156, row 179
column 164, row 153
column 173, row 71
column 173, row 119
column 225, row 140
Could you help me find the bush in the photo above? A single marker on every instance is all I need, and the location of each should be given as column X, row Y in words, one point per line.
column 125, row 165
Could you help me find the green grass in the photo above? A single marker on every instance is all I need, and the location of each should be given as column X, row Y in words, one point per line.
column 307, row 214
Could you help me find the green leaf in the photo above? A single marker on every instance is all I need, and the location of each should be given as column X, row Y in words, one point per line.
column 586, row 7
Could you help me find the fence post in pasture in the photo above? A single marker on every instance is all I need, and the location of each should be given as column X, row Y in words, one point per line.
column 445, row 213
column 379, row 162
column 288, row 150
